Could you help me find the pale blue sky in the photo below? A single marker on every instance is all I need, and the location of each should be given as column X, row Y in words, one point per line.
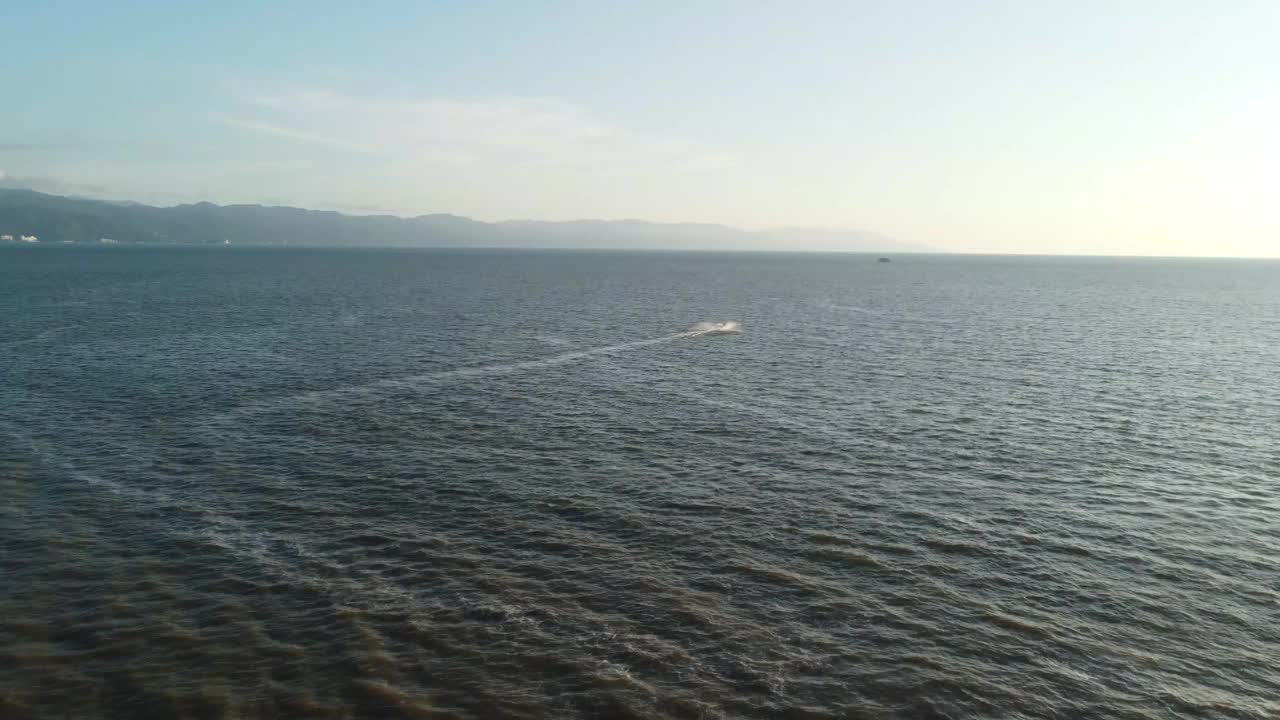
column 1141, row 127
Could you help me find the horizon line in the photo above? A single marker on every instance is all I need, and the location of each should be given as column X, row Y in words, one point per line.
column 920, row 250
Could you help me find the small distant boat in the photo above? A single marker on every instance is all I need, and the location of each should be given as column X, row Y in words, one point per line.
column 883, row 259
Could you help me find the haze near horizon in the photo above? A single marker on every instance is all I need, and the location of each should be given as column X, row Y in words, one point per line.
column 1141, row 129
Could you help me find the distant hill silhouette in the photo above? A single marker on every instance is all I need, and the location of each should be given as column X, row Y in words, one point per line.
column 57, row 218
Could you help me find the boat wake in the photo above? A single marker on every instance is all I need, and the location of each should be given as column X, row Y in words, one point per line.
column 463, row 374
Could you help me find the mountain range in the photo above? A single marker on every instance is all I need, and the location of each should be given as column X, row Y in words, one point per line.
column 57, row 218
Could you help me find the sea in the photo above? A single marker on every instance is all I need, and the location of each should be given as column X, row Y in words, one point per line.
column 241, row 483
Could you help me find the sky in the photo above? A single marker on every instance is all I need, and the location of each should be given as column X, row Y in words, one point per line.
column 1145, row 127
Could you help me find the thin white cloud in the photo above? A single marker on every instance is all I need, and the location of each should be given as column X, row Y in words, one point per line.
column 498, row 131
column 492, row 158
column 291, row 133
column 52, row 186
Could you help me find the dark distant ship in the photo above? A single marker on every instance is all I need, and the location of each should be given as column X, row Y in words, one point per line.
column 884, row 260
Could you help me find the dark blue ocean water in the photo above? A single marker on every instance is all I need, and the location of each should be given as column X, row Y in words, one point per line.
column 253, row 483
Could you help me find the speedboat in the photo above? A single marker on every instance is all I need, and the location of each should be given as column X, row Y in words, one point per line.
column 724, row 328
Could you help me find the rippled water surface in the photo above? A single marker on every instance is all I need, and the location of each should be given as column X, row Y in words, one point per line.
column 249, row 483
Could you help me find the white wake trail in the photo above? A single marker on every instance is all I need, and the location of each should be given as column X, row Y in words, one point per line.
column 39, row 337
column 445, row 376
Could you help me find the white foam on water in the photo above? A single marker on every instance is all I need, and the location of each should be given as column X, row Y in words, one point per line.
column 50, row 458
column 223, row 530
column 106, row 484
column 279, row 555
